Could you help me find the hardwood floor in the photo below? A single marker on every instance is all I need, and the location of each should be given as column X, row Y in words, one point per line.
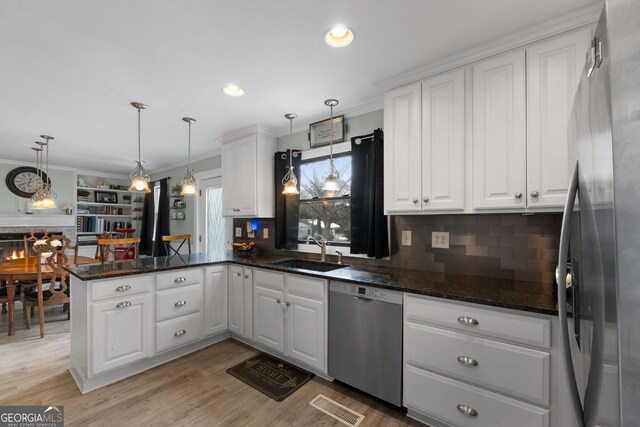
column 194, row 390
column 55, row 322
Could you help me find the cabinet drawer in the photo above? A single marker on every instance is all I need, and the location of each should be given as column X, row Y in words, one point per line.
column 507, row 368
column 269, row 279
column 445, row 399
column 179, row 278
column 105, row 289
column 178, row 301
column 307, row 286
column 179, row 331
column 492, row 323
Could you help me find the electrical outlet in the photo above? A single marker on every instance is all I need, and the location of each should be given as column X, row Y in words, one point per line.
column 265, row 233
column 440, row 239
column 238, row 231
column 406, row 237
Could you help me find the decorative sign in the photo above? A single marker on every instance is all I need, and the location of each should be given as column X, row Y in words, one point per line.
column 320, row 132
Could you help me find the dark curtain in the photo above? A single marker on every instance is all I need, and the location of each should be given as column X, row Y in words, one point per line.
column 287, row 207
column 369, row 233
column 147, row 245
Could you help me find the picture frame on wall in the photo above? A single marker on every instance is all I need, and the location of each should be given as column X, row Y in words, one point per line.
column 106, row 197
column 320, row 132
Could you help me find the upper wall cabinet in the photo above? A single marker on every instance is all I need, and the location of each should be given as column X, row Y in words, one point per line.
column 424, row 131
column 247, row 175
column 499, row 132
column 553, row 74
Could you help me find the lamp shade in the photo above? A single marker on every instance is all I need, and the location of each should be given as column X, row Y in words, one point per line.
column 290, row 188
column 139, row 184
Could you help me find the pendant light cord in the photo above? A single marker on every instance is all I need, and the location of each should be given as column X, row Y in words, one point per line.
column 189, row 150
column 139, row 151
column 331, row 171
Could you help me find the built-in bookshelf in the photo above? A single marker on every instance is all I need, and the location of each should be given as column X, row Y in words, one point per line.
column 103, row 205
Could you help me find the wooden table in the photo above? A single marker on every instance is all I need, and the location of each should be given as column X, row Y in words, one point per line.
column 24, row 269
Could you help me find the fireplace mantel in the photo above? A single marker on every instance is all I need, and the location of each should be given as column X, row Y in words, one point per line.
column 23, row 220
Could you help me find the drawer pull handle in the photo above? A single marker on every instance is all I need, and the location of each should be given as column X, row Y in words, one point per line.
column 180, row 303
column 468, row 321
column 467, row 410
column 467, row 361
column 180, row 333
column 123, row 288
column 123, row 304
column 180, row 280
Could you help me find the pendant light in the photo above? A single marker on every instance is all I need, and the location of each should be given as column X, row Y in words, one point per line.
column 139, row 176
column 37, row 195
column 43, row 197
column 189, row 183
column 331, row 185
column 290, row 181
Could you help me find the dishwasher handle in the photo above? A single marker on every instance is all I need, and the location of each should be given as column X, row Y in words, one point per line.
column 362, row 299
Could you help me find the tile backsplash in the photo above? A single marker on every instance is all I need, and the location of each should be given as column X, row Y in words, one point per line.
column 506, row 246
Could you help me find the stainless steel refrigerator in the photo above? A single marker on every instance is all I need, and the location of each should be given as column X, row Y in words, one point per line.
column 599, row 256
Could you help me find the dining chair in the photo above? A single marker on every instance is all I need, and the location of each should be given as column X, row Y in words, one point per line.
column 53, row 276
column 35, row 235
column 126, row 248
column 182, row 238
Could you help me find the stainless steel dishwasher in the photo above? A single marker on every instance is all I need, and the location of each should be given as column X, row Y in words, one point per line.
column 365, row 339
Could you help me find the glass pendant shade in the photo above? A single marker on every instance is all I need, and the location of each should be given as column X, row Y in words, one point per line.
column 139, row 176
column 44, row 195
column 290, row 181
column 189, row 183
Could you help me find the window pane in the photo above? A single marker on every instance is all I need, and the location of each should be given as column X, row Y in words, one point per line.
column 331, row 219
column 313, row 173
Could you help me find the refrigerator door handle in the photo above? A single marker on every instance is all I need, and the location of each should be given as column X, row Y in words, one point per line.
column 561, row 272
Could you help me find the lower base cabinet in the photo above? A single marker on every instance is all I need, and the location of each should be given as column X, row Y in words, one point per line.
column 290, row 316
column 240, row 301
column 216, row 306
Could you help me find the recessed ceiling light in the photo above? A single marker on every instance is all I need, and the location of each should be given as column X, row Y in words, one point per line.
column 339, row 36
column 233, row 90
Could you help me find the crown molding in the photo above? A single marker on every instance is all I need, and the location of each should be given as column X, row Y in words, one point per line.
column 358, row 110
column 576, row 19
column 99, row 174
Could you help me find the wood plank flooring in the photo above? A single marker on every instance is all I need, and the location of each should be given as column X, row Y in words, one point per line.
column 194, row 390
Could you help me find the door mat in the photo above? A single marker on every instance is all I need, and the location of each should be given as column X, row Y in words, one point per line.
column 273, row 377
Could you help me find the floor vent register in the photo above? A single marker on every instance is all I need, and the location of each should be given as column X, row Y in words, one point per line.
column 336, row 410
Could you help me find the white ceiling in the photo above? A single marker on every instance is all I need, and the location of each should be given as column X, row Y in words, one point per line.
column 70, row 68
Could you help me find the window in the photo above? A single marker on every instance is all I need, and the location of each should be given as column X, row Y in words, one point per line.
column 321, row 216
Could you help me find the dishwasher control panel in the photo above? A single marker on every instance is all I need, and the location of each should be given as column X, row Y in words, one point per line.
column 367, row 292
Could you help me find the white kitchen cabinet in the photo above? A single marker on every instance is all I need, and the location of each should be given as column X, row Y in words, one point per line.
column 499, row 132
column 247, row 174
column 241, row 301
column 306, row 322
column 402, row 163
column 215, row 299
column 110, row 346
column 268, row 315
column 443, row 125
column 553, row 73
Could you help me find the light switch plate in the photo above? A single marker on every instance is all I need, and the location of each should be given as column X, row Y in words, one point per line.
column 238, row 231
column 249, row 227
column 440, row 239
column 251, row 235
column 406, row 237
column 265, row 233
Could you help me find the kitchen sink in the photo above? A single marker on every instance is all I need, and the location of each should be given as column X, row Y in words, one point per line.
column 308, row 265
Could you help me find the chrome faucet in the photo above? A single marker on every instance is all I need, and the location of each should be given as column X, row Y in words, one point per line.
column 323, row 246
column 339, row 256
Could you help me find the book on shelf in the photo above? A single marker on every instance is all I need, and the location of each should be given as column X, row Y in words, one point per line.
column 99, row 225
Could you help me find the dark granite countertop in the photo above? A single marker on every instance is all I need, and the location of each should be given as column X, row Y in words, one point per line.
column 525, row 296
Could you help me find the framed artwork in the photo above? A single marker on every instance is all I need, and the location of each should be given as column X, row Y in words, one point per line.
column 106, row 197
column 320, row 132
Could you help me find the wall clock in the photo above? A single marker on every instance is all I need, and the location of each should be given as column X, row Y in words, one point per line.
column 24, row 181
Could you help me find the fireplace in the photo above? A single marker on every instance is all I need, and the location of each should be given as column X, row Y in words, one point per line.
column 12, row 244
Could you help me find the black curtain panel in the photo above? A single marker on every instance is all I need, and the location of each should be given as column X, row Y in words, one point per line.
column 287, row 207
column 146, row 230
column 369, row 233
column 162, row 224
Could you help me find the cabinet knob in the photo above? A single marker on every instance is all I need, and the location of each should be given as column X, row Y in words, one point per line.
column 287, row 303
column 468, row 321
column 467, row 410
column 123, row 288
column 534, row 194
column 123, row 304
column 179, row 333
column 415, row 200
column 246, row 276
column 467, row 361
column 180, row 280
column 278, row 301
column 180, row 303
column 425, row 200
column 518, row 195
column 239, row 274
